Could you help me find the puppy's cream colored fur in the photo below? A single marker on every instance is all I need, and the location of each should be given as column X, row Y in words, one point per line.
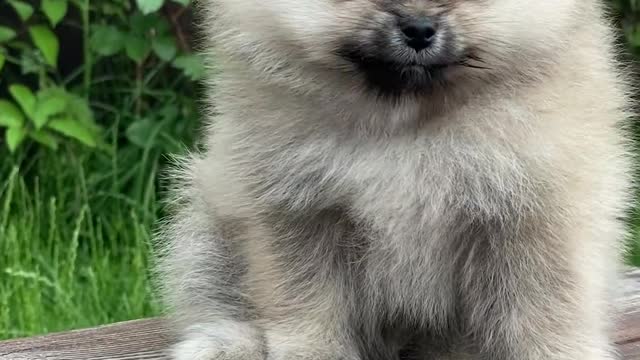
column 479, row 219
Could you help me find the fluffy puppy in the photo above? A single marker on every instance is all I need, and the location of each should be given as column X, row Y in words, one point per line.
column 402, row 179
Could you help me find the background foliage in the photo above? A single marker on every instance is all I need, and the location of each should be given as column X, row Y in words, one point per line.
column 93, row 96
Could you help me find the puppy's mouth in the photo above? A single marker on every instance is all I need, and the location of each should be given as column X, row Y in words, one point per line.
column 395, row 77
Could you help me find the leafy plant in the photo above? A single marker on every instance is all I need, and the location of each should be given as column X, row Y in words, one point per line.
column 40, row 116
column 51, row 97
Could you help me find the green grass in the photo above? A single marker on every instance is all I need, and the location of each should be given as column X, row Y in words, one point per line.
column 75, row 236
column 633, row 254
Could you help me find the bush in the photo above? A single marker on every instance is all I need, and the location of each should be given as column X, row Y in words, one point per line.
column 70, row 66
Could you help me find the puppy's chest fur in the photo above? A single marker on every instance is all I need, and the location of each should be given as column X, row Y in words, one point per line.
column 417, row 185
column 399, row 214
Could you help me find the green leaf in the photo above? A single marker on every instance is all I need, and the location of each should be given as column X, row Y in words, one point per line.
column 164, row 47
column 145, row 25
column 15, row 136
column 139, row 132
column 47, row 42
column 78, row 109
column 141, row 24
column 24, row 97
column 149, row 6
column 115, row 9
column 23, row 9
column 46, row 107
column 191, row 65
column 169, row 112
column 10, row 115
column 55, row 10
column 44, row 138
column 2, row 59
column 137, row 48
column 29, row 62
column 6, row 34
column 182, row 2
column 106, row 40
column 74, row 129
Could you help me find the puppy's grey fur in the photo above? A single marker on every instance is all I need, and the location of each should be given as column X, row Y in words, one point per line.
column 466, row 212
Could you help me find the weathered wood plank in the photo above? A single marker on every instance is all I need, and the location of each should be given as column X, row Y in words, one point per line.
column 148, row 339
column 131, row 340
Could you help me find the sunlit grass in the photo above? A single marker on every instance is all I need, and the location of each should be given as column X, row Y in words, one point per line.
column 74, row 243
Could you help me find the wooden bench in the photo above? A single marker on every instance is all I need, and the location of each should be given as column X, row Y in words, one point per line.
column 148, row 339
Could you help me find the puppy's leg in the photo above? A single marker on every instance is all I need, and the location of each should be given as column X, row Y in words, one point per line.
column 318, row 332
column 219, row 340
column 301, row 284
column 536, row 291
column 200, row 280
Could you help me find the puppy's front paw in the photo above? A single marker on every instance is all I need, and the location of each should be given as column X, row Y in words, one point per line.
column 222, row 340
column 287, row 346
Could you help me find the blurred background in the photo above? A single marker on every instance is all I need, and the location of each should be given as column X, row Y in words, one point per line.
column 95, row 96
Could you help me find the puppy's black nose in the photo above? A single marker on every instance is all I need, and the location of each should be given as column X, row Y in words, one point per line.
column 419, row 33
